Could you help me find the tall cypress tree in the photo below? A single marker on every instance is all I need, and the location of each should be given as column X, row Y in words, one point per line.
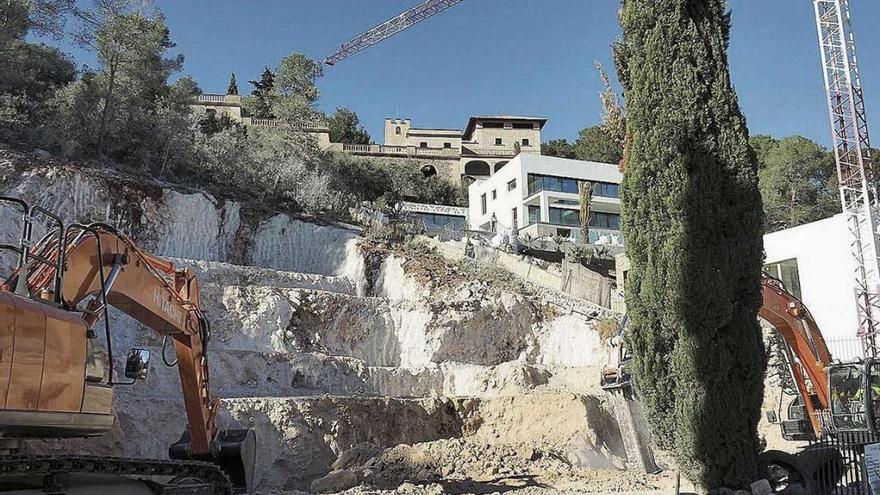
column 692, row 218
column 232, row 89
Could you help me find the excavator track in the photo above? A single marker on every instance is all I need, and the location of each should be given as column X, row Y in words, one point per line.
column 47, row 466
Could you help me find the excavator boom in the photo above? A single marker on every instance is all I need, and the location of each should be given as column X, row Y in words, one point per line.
column 62, row 287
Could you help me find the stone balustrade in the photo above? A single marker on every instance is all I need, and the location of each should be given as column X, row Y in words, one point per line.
column 219, row 99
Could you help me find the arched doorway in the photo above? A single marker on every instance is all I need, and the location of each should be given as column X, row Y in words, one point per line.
column 477, row 168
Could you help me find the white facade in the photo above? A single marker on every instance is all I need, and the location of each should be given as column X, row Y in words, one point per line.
column 825, row 275
column 539, row 209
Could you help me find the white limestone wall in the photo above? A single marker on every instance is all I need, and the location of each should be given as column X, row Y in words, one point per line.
column 182, row 224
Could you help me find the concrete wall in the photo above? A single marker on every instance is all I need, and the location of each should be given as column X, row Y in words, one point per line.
column 825, row 270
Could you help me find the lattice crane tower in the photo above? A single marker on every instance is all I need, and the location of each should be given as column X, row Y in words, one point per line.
column 390, row 28
column 852, row 150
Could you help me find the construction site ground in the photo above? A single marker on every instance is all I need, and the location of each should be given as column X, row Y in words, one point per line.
column 363, row 368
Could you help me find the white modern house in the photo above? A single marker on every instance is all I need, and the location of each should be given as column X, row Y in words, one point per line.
column 537, row 196
column 814, row 262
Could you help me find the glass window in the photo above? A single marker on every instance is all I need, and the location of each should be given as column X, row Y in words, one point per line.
column 847, row 397
column 439, row 221
column 483, row 203
column 525, row 142
column 447, row 145
column 423, row 144
column 786, row 271
column 874, row 389
column 569, row 185
column 610, row 221
column 493, row 125
column 560, row 216
column 523, row 125
column 534, row 214
column 606, row 190
column 511, row 185
column 494, row 193
column 563, row 184
column 397, row 130
column 498, row 142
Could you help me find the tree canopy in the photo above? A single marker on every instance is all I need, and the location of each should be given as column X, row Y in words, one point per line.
column 596, row 145
column 798, row 181
column 345, row 128
column 558, row 147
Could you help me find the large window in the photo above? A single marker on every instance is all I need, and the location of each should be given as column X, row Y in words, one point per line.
column 523, row 125
column 787, row 272
column 560, row 216
column 563, row 184
column 493, row 125
column 608, row 221
column 548, row 183
column 534, row 214
column 606, row 190
column 437, row 221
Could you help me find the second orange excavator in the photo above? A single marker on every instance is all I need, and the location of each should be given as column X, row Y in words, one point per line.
column 57, row 378
column 832, row 398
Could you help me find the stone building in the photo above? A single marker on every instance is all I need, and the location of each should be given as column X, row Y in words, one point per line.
column 487, row 144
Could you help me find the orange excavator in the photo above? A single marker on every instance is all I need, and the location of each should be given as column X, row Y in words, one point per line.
column 832, row 398
column 56, row 383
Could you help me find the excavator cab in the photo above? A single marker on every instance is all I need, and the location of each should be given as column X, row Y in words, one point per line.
column 855, row 396
column 849, row 402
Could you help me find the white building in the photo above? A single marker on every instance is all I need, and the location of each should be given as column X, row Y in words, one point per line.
column 538, row 197
column 814, row 263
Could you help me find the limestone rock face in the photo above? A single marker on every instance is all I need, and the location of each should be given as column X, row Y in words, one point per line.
column 349, row 374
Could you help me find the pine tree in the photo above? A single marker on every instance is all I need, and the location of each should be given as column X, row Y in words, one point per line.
column 233, row 86
column 692, row 217
column 262, row 93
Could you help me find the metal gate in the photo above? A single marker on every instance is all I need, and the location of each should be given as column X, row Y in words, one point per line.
column 841, row 458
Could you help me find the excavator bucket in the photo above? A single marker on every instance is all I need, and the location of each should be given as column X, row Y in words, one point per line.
column 234, row 451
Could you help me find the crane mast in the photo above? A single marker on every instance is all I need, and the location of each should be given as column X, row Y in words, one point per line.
column 390, row 28
column 852, row 151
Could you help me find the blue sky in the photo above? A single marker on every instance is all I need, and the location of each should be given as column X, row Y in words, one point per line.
column 530, row 57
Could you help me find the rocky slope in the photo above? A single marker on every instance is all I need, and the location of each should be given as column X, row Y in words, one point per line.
column 355, row 365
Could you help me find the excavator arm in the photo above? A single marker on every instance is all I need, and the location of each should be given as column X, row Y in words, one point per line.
column 807, row 353
column 100, row 267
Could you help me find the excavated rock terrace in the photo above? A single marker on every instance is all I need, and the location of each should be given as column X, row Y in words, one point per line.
column 402, row 375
